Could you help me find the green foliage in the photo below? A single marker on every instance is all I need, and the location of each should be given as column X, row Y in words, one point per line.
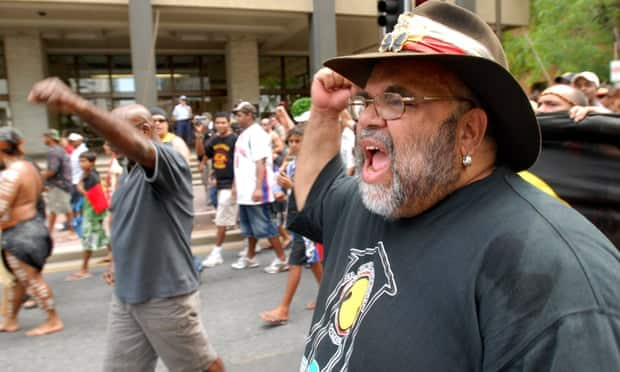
column 300, row 106
column 568, row 35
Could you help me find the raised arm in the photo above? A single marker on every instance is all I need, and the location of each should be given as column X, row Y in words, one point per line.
column 116, row 129
column 321, row 143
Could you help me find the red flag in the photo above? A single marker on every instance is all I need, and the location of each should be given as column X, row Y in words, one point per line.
column 97, row 199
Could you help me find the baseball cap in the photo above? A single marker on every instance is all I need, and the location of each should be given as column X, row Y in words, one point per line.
column 245, row 107
column 589, row 76
column 53, row 134
column 183, row 98
column 75, row 137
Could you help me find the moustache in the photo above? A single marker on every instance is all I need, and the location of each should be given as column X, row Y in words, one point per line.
column 379, row 136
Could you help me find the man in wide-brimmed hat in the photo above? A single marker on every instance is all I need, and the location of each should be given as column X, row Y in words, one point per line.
column 438, row 257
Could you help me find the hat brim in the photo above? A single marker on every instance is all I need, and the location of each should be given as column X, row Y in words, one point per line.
column 510, row 114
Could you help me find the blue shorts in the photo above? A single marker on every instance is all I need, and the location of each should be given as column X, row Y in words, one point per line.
column 255, row 221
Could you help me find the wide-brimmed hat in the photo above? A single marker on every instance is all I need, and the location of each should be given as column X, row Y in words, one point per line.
column 461, row 41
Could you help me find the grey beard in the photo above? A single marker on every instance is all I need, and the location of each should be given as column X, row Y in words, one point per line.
column 410, row 182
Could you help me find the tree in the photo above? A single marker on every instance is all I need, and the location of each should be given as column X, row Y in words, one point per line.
column 568, row 35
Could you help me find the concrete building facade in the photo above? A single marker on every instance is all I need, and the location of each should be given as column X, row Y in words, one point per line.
column 216, row 52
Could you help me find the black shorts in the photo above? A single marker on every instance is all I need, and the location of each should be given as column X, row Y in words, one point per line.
column 298, row 251
column 29, row 242
column 277, row 212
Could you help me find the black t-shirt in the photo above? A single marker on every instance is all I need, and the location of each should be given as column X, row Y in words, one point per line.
column 91, row 180
column 496, row 277
column 221, row 151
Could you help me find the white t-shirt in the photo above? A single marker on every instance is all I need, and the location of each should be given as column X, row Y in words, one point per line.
column 252, row 145
column 76, row 170
column 182, row 112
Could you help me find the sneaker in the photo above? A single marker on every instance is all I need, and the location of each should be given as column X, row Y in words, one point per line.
column 276, row 266
column 214, row 259
column 244, row 263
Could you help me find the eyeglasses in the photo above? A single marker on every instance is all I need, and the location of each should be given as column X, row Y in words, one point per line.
column 391, row 106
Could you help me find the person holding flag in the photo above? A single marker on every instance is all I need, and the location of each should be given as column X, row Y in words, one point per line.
column 94, row 213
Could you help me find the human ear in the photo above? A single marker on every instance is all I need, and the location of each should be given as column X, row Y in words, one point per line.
column 472, row 129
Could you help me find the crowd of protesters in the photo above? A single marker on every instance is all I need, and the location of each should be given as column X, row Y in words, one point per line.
column 578, row 93
column 249, row 165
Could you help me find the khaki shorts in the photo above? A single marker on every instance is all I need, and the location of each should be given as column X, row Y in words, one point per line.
column 58, row 200
column 167, row 327
column 227, row 208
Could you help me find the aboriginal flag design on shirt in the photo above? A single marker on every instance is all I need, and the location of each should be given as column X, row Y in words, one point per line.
column 368, row 278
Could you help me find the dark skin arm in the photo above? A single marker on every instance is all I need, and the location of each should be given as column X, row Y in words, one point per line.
column 118, row 130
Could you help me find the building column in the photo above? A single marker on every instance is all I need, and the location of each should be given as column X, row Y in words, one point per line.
column 24, row 67
column 242, row 80
column 142, row 53
column 323, row 33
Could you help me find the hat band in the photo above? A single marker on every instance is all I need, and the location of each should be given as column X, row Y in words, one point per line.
column 432, row 45
column 421, row 34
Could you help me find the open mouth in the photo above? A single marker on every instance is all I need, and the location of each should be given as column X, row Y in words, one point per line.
column 376, row 163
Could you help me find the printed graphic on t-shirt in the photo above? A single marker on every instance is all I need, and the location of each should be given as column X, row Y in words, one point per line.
column 220, row 159
column 368, row 278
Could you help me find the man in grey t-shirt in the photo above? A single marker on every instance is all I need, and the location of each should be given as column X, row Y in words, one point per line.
column 155, row 309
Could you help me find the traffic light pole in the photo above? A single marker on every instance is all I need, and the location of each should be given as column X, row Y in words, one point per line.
column 407, row 6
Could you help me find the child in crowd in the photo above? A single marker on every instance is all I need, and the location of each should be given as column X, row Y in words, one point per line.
column 94, row 213
column 303, row 251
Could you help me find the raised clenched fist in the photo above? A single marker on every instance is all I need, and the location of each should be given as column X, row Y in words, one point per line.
column 330, row 91
column 56, row 95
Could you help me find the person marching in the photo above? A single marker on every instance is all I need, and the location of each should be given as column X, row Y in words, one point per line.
column 94, row 213
column 26, row 242
column 303, row 250
column 220, row 149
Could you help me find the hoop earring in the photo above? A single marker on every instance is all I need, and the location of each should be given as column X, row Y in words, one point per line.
column 467, row 160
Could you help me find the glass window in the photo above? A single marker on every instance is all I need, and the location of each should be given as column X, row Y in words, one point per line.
column 186, row 73
column 270, row 73
column 296, row 72
column 268, row 103
column 122, row 76
column 102, row 103
column 93, row 74
column 122, row 102
column 65, row 68
column 164, row 74
column 213, row 72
